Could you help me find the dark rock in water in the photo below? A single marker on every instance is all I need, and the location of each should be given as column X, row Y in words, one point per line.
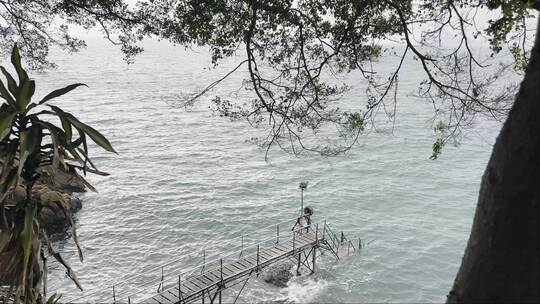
column 279, row 274
column 75, row 203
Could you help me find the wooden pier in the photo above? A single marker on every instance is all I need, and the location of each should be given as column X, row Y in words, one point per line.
column 209, row 284
column 207, row 281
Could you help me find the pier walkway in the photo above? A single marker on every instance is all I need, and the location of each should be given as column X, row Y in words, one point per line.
column 206, row 282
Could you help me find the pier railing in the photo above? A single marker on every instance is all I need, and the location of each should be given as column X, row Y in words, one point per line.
column 171, row 274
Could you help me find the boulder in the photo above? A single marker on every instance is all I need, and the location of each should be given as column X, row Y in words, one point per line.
column 278, row 274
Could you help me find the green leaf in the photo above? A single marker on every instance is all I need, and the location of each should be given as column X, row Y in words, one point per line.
column 6, row 122
column 5, row 94
column 12, row 85
column 67, row 128
column 8, row 181
column 27, row 237
column 16, row 61
column 30, row 140
column 97, row 137
column 54, row 138
column 60, row 92
column 26, row 91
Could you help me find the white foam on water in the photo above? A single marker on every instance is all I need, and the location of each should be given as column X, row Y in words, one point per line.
column 305, row 289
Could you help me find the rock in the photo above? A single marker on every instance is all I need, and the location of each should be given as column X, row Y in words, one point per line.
column 279, row 274
column 60, row 180
column 75, row 203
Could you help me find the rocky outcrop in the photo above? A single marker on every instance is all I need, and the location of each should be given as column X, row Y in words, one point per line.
column 278, row 274
column 54, row 190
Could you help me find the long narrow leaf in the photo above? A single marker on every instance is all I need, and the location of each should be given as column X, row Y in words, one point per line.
column 60, row 92
column 4, row 93
column 30, row 141
column 97, row 137
column 16, row 61
column 12, row 85
column 9, row 180
column 69, row 217
column 25, row 93
column 6, row 123
column 60, row 259
column 26, row 238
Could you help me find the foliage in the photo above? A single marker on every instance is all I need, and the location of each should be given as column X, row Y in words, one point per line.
column 30, row 141
column 293, row 48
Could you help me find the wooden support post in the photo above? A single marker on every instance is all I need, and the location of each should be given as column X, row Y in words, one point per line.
column 219, row 297
column 113, row 294
column 342, row 237
column 359, row 243
column 324, row 229
column 293, row 240
column 277, row 234
column 129, row 299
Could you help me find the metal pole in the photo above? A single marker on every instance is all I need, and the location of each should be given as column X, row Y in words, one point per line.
column 313, row 261
column 203, row 260
column 162, row 278
column 317, row 233
column 44, row 275
column 298, row 266
column 221, row 269
column 257, row 257
column 302, row 202
column 180, row 287
column 242, row 248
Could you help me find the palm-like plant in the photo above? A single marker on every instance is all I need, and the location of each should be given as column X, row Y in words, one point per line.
column 28, row 143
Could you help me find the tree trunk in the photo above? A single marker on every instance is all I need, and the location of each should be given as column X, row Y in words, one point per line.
column 501, row 261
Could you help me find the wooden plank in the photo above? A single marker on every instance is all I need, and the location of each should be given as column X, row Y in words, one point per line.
column 187, row 287
column 215, row 275
column 205, row 280
column 244, row 263
column 251, row 260
column 173, row 295
column 274, row 251
column 161, row 299
column 196, row 283
column 238, row 266
column 210, row 278
column 151, row 301
column 228, row 271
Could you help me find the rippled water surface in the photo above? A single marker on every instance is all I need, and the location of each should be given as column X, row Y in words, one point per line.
column 188, row 180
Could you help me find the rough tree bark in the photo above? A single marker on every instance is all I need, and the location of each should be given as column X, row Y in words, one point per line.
column 501, row 261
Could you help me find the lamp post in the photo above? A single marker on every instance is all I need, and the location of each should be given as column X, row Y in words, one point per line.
column 303, row 186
